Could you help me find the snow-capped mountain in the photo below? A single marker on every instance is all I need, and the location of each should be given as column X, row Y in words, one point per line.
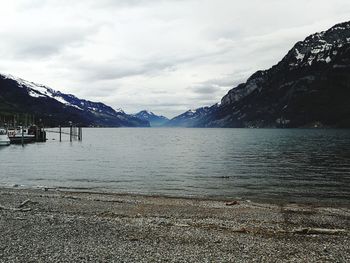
column 190, row 117
column 309, row 87
column 154, row 120
column 55, row 107
column 320, row 47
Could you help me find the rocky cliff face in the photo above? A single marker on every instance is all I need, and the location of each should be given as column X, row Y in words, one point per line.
column 55, row 108
column 309, row 87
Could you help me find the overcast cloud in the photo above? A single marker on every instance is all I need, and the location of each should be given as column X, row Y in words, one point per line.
column 165, row 56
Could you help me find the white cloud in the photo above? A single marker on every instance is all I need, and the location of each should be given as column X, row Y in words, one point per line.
column 166, row 56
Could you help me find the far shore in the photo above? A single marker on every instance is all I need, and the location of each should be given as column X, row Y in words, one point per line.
column 73, row 226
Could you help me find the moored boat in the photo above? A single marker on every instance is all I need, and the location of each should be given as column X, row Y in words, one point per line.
column 4, row 139
column 20, row 134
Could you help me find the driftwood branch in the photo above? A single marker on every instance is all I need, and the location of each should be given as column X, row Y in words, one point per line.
column 15, row 209
column 322, row 231
column 24, row 203
column 18, row 208
column 232, row 203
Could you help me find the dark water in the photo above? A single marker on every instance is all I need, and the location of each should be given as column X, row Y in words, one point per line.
column 293, row 165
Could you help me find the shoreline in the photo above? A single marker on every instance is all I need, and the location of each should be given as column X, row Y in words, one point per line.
column 56, row 226
column 266, row 200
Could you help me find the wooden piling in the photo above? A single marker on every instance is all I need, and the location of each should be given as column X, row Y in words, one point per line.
column 22, row 139
column 71, row 132
column 36, row 133
column 79, row 133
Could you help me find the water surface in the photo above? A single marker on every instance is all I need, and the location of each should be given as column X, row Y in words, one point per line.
column 288, row 164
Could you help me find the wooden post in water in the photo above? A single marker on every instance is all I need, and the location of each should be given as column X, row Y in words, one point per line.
column 22, row 140
column 60, row 133
column 71, row 132
column 43, row 136
column 79, row 133
column 37, row 133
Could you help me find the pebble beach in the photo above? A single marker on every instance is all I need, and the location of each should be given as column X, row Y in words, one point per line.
column 64, row 226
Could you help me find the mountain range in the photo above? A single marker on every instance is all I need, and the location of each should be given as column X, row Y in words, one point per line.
column 309, row 87
column 18, row 96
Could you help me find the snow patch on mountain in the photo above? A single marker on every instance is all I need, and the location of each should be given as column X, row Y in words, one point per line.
column 299, row 56
column 319, row 47
column 41, row 91
column 37, row 90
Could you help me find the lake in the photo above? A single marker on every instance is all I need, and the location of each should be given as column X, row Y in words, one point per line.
column 304, row 165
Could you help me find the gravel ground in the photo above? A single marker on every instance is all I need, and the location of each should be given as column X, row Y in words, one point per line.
column 56, row 226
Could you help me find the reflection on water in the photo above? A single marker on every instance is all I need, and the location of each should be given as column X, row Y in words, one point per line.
column 294, row 165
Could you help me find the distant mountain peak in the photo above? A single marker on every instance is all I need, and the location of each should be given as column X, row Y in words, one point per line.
column 190, row 117
column 154, row 119
column 146, row 112
column 119, row 110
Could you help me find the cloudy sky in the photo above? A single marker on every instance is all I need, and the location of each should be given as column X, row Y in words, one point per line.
column 163, row 55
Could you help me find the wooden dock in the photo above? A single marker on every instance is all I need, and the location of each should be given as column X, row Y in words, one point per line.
column 22, row 129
